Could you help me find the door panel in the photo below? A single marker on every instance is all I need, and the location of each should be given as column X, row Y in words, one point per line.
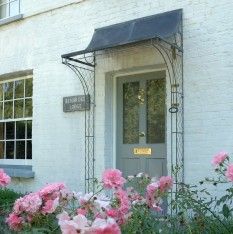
column 155, row 166
column 141, row 124
column 131, row 165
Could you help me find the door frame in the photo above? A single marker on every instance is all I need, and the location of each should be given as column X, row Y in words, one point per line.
column 122, row 73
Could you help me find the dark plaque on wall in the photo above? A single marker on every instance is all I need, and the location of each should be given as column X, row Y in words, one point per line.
column 76, row 103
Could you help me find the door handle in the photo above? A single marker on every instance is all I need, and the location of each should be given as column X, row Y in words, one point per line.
column 142, row 134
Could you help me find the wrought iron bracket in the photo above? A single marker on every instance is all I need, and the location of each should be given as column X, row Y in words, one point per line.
column 85, row 72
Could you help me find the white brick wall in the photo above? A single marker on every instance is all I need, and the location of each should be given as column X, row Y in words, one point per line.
column 38, row 41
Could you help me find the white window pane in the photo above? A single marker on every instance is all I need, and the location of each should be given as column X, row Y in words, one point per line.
column 19, row 89
column 10, row 149
column 18, row 109
column 28, row 108
column 1, row 110
column 8, row 110
column 16, row 103
column 3, row 9
column 29, row 149
column 28, row 87
column 8, row 90
column 2, row 130
column 10, row 130
column 29, row 129
column 20, row 129
column 20, row 149
column 14, row 8
column 1, row 92
column 2, row 143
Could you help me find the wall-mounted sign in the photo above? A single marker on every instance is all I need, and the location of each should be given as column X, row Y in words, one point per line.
column 76, row 103
column 142, row 151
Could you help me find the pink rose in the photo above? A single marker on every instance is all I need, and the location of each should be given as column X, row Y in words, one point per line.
column 120, row 212
column 219, row 158
column 151, row 188
column 72, row 226
column 102, row 226
column 229, row 172
column 30, row 203
column 63, row 217
column 14, row 222
column 81, row 211
column 4, row 178
column 165, row 183
column 50, row 206
column 68, row 227
column 113, row 213
column 124, row 203
column 51, row 191
column 112, row 178
column 108, row 229
column 151, row 192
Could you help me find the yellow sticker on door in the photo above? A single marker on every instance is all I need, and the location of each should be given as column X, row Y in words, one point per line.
column 142, row 151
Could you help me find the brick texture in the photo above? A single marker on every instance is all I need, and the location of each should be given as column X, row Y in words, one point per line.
column 38, row 41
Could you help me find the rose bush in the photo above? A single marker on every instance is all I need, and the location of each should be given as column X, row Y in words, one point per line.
column 135, row 205
column 92, row 213
column 4, row 179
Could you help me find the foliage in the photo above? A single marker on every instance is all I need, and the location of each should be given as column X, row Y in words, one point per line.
column 142, row 221
column 7, row 199
column 88, row 213
column 135, row 205
column 202, row 212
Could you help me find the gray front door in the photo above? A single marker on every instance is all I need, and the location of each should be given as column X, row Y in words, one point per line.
column 141, row 124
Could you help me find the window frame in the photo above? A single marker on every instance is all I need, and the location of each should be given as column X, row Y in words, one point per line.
column 8, row 3
column 15, row 120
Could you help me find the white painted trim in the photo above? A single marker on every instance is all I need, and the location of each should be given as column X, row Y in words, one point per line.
column 159, row 67
column 114, row 121
column 15, row 120
column 16, row 78
column 23, row 162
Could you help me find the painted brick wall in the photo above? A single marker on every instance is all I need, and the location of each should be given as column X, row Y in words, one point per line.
column 38, row 41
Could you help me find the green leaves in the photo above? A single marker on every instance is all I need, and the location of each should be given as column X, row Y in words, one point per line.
column 226, row 211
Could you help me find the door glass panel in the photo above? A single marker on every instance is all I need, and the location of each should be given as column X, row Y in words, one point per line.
column 130, row 113
column 156, row 111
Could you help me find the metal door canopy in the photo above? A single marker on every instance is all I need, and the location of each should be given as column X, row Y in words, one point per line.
column 160, row 26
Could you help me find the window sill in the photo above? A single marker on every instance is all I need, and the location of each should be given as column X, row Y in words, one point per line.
column 11, row 19
column 19, row 171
